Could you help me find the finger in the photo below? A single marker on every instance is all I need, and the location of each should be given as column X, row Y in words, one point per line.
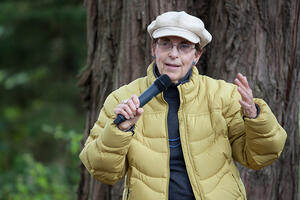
column 135, row 100
column 132, row 106
column 128, row 110
column 238, row 83
column 124, row 101
column 130, row 122
column 242, row 93
column 246, row 81
column 125, row 125
column 118, row 109
column 140, row 111
column 243, row 80
column 245, row 96
column 121, row 111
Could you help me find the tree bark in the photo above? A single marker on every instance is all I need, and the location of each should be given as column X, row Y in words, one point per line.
column 261, row 39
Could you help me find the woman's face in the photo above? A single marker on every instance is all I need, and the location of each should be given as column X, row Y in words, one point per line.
column 172, row 62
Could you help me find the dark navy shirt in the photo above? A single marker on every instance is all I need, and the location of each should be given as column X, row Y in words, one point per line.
column 179, row 183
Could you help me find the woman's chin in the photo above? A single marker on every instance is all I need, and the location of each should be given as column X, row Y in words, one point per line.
column 173, row 78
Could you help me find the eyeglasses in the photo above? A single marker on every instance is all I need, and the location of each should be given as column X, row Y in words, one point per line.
column 183, row 48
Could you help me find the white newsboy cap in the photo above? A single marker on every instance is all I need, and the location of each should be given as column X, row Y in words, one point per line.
column 180, row 24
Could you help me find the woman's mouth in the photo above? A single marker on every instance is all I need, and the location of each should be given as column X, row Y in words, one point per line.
column 172, row 65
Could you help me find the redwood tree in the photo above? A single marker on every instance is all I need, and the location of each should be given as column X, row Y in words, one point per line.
column 259, row 38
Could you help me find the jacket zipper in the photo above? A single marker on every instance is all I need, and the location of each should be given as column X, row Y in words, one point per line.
column 168, row 160
column 188, row 151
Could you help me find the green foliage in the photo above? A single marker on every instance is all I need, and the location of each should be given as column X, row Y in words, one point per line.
column 42, row 49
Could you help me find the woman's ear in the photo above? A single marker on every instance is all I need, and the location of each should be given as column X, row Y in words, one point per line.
column 153, row 46
column 197, row 56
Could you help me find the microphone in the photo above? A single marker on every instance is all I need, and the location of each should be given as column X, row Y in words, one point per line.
column 160, row 84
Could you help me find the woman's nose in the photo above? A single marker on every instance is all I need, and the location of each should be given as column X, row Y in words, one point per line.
column 174, row 51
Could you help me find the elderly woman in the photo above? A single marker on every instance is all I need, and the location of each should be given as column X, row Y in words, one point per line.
column 183, row 143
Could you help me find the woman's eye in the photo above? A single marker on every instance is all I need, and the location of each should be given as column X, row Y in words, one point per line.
column 165, row 43
column 184, row 46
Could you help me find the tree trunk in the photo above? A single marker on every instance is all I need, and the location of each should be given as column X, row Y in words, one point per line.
column 261, row 39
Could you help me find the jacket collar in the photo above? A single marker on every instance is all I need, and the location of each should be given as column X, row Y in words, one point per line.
column 188, row 89
column 185, row 79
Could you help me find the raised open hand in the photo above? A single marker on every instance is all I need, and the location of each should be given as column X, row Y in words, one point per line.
column 246, row 102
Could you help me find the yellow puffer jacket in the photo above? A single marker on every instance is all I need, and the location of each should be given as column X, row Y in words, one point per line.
column 212, row 131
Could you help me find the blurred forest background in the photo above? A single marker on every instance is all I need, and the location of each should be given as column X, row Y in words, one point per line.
column 43, row 48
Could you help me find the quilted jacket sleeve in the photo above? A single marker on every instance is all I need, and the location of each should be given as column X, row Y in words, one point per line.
column 104, row 153
column 257, row 142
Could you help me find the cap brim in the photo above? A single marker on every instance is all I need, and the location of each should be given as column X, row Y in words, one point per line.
column 172, row 31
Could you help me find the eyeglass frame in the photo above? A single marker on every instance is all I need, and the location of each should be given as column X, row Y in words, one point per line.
column 196, row 46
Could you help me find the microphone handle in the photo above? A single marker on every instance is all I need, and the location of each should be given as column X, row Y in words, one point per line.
column 145, row 97
column 120, row 118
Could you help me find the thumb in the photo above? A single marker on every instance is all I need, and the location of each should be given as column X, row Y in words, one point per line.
column 139, row 112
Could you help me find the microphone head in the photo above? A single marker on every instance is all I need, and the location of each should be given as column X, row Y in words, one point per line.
column 163, row 82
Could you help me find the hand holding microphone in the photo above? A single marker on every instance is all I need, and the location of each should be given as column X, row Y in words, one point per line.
column 130, row 110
